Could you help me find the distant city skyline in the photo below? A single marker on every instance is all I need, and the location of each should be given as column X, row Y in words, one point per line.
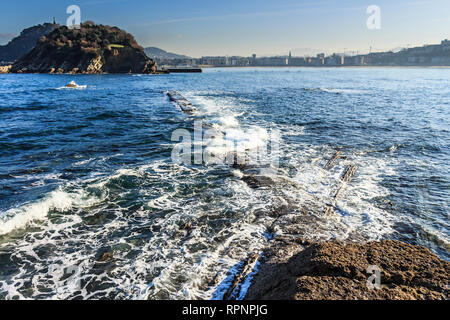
column 205, row 28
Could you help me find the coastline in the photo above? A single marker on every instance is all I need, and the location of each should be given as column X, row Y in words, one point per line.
column 323, row 67
column 7, row 69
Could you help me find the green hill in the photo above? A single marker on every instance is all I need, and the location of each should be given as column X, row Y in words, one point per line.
column 91, row 49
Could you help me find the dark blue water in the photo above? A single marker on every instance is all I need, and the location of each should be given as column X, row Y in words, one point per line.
column 88, row 185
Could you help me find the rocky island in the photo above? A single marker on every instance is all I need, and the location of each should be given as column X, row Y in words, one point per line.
column 91, row 49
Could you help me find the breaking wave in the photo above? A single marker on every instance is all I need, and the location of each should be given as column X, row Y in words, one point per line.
column 99, row 211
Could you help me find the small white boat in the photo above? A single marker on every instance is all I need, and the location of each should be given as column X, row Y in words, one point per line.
column 73, row 85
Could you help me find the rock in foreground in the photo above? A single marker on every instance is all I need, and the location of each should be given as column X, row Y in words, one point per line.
column 92, row 49
column 336, row 271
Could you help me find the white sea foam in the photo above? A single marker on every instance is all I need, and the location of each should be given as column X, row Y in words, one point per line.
column 355, row 204
column 155, row 257
column 228, row 135
column 180, row 264
column 22, row 216
column 341, row 91
column 228, row 122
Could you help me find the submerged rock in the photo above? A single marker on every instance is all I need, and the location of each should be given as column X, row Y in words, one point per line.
column 105, row 257
column 338, row 271
column 333, row 160
column 256, row 182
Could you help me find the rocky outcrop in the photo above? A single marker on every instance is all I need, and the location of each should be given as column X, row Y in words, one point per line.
column 25, row 42
column 92, row 49
column 335, row 271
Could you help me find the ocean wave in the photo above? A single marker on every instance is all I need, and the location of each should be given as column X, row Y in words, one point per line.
column 35, row 212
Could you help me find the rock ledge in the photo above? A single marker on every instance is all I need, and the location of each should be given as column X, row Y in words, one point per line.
column 337, row 271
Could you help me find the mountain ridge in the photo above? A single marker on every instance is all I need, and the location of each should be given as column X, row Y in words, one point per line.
column 25, row 42
column 160, row 54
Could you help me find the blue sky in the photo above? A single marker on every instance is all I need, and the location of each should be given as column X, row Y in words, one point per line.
column 243, row 27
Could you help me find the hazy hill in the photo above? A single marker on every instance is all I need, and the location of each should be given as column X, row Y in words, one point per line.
column 90, row 49
column 159, row 54
column 22, row 44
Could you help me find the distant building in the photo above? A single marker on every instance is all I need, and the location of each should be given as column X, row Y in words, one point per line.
column 333, row 60
column 297, row 61
column 438, row 54
column 239, row 61
column 214, row 61
column 272, row 61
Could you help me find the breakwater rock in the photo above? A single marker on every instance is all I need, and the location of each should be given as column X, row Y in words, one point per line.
column 181, row 102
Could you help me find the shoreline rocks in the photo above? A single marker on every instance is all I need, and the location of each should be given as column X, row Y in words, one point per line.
column 5, row 69
column 302, row 270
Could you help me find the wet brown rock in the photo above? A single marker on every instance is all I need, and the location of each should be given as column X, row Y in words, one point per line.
column 105, row 257
column 336, row 271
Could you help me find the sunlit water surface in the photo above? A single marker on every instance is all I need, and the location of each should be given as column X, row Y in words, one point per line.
column 88, row 186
